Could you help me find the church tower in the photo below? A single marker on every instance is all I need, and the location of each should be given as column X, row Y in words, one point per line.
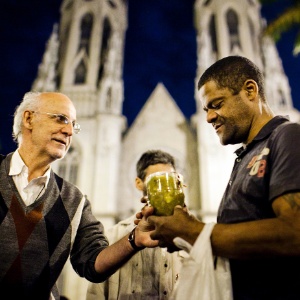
column 88, row 64
column 225, row 28
column 92, row 34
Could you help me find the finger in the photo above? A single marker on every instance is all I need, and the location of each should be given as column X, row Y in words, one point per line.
column 139, row 215
column 144, row 199
column 152, row 219
column 147, row 211
column 185, row 209
column 178, row 207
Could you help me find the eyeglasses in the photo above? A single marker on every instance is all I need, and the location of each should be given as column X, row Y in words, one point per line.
column 61, row 119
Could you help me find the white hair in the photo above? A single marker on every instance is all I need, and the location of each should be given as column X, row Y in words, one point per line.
column 30, row 102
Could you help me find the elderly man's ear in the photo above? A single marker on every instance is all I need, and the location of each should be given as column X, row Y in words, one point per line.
column 27, row 119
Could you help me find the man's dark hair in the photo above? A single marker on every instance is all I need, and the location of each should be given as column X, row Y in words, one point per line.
column 232, row 72
column 153, row 157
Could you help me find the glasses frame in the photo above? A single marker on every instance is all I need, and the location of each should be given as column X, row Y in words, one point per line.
column 62, row 120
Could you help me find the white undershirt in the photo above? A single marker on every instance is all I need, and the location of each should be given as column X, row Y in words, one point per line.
column 33, row 190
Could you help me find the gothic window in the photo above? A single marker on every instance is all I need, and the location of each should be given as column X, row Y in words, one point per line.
column 80, row 73
column 213, row 34
column 232, row 23
column 105, row 47
column 85, row 32
column 68, row 167
column 86, row 26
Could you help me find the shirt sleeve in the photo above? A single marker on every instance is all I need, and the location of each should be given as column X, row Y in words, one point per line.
column 285, row 161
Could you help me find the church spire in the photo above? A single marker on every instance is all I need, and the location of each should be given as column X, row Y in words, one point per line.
column 227, row 28
column 45, row 80
column 92, row 35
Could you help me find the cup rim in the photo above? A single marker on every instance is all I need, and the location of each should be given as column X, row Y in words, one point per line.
column 159, row 173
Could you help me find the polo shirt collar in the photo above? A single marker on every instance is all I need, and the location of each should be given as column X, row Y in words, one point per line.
column 264, row 132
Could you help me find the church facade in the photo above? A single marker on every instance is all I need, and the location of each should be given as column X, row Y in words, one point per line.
column 84, row 59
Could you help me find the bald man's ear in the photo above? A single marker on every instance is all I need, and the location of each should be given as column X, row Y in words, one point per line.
column 27, row 119
column 139, row 184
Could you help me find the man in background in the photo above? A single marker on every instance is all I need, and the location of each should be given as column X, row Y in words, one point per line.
column 151, row 273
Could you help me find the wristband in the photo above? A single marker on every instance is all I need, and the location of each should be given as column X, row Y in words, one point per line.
column 131, row 240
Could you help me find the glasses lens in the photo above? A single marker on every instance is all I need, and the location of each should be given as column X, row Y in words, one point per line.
column 76, row 128
column 61, row 119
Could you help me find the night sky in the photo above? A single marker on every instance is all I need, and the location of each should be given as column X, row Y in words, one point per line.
column 160, row 47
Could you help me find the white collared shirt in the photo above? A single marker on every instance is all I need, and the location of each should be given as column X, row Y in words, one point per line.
column 33, row 190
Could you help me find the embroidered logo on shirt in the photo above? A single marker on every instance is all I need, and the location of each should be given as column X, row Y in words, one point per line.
column 258, row 164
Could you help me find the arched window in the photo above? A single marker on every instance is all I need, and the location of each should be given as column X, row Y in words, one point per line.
column 84, row 45
column 85, row 32
column 213, row 34
column 104, row 49
column 232, row 23
column 80, row 73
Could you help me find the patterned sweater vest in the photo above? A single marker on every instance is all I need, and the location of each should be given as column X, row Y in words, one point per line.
column 35, row 240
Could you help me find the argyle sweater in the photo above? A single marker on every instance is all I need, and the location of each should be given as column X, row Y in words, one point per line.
column 36, row 240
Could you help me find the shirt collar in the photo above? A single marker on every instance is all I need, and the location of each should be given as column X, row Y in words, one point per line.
column 265, row 131
column 17, row 166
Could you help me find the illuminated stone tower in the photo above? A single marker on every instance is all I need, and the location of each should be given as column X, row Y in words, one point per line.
column 92, row 34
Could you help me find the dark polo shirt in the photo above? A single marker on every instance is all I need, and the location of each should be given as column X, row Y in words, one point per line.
column 267, row 168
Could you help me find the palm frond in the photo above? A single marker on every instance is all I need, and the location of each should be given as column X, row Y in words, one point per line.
column 286, row 21
column 296, row 49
